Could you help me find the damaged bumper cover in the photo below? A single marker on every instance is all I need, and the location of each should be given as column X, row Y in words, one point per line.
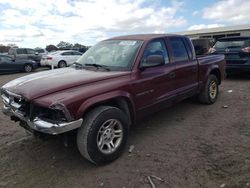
column 40, row 125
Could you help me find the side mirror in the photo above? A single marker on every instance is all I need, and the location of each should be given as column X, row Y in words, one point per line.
column 152, row 61
column 36, row 53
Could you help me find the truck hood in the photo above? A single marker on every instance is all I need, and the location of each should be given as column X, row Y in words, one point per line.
column 47, row 82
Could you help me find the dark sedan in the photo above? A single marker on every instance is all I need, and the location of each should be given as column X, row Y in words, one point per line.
column 8, row 65
column 236, row 51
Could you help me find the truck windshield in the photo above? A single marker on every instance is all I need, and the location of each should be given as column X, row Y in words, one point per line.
column 231, row 43
column 113, row 54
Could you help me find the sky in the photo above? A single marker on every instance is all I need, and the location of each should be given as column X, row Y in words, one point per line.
column 37, row 23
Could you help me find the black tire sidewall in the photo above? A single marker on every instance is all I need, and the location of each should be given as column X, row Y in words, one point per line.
column 93, row 151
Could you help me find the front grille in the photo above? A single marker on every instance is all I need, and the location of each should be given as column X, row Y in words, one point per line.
column 15, row 102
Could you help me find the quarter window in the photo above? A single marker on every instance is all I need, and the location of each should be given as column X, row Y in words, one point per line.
column 179, row 50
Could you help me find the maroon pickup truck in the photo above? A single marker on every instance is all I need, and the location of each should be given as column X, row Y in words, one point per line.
column 111, row 86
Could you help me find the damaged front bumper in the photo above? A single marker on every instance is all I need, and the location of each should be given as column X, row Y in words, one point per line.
column 40, row 125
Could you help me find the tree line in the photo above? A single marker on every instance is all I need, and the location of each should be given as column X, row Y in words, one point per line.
column 60, row 46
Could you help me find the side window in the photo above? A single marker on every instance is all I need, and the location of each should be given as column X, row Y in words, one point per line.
column 179, row 50
column 40, row 50
column 189, row 49
column 30, row 51
column 76, row 53
column 20, row 51
column 156, row 47
column 66, row 53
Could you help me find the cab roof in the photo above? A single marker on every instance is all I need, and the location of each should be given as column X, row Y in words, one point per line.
column 143, row 37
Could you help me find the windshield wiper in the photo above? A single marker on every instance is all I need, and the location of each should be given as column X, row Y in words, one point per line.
column 97, row 66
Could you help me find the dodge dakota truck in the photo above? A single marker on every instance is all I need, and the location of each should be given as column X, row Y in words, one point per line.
column 115, row 83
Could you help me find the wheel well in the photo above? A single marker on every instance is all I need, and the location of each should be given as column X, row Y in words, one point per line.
column 120, row 102
column 217, row 73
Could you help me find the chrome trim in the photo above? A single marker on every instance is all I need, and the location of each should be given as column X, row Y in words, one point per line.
column 9, row 100
column 43, row 126
column 6, row 100
column 11, row 93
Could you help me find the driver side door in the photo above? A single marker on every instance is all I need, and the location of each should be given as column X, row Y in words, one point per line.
column 157, row 83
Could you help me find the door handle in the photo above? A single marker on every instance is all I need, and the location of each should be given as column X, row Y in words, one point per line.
column 171, row 75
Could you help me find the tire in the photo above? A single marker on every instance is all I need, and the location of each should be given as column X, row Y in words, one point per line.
column 62, row 64
column 95, row 129
column 211, row 90
column 28, row 68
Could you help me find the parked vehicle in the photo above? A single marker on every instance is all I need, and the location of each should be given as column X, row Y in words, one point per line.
column 115, row 83
column 60, row 59
column 24, row 53
column 8, row 64
column 236, row 51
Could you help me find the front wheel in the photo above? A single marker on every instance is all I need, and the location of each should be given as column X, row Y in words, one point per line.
column 211, row 90
column 103, row 134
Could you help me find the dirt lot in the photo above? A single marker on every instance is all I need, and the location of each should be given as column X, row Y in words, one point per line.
column 188, row 145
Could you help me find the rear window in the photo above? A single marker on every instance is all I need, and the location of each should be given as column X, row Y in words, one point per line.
column 232, row 43
column 40, row 50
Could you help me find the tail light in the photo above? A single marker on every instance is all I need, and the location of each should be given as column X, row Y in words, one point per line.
column 49, row 58
column 211, row 50
column 247, row 49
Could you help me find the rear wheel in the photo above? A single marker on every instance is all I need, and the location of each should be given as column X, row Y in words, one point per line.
column 103, row 134
column 28, row 68
column 62, row 64
column 211, row 90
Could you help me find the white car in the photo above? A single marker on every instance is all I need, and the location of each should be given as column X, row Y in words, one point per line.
column 60, row 58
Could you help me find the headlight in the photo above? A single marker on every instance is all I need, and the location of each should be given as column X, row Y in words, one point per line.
column 50, row 115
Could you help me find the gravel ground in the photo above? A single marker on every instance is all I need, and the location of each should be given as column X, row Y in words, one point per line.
column 188, row 145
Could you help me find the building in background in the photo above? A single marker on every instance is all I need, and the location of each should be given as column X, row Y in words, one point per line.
column 219, row 32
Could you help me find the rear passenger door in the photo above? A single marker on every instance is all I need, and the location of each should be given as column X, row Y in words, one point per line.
column 186, row 66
